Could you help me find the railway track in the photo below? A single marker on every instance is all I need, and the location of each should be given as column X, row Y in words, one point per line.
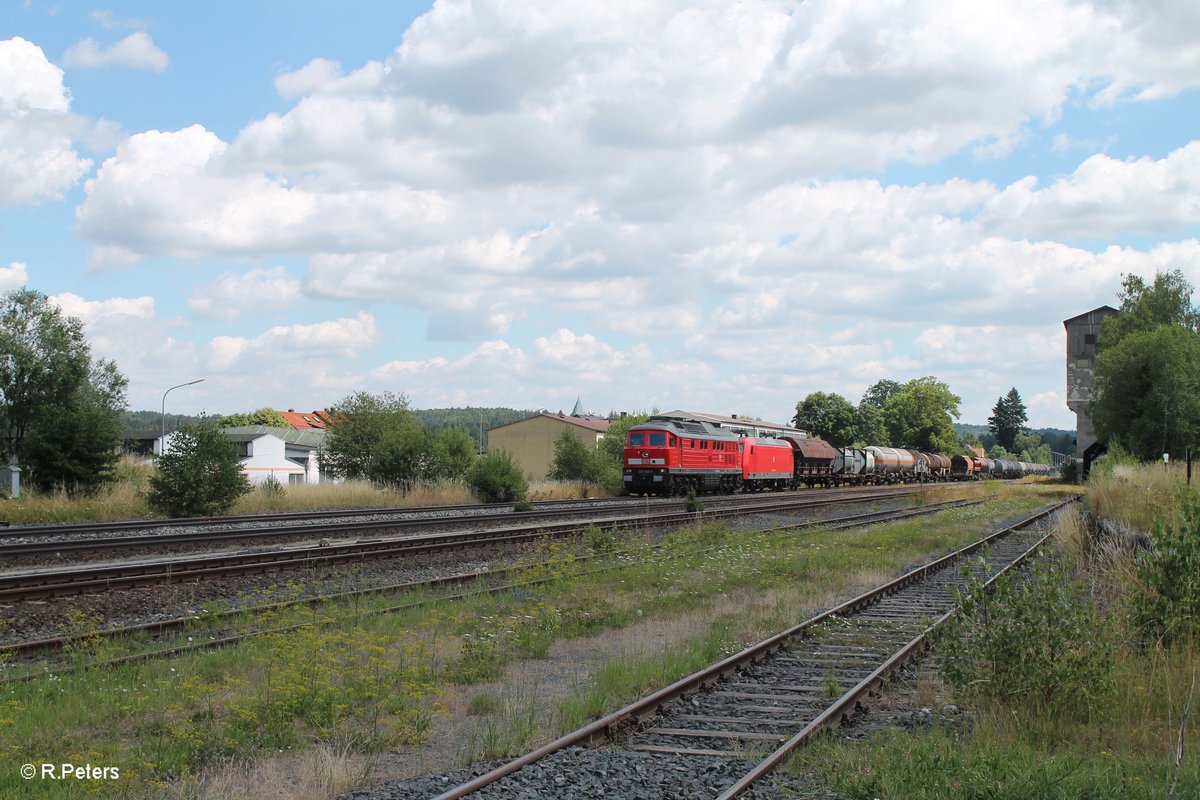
column 40, row 584
column 720, row 731
column 160, row 628
column 23, row 549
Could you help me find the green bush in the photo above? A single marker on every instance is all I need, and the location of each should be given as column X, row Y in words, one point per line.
column 199, row 475
column 496, row 478
column 1035, row 636
column 1168, row 605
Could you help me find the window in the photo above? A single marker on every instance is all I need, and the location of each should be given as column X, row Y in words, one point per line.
column 1089, row 338
column 672, row 441
column 637, row 439
column 704, row 445
column 658, row 440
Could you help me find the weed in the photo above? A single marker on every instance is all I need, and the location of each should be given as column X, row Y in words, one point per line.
column 1035, row 636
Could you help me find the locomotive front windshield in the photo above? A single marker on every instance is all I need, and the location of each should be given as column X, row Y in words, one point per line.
column 658, row 440
column 637, row 439
column 653, row 439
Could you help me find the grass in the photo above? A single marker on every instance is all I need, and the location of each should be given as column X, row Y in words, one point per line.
column 1140, row 741
column 355, row 682
column 125, row 498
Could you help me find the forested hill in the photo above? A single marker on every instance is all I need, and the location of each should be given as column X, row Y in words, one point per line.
column 472, row 419
column 1060, row 441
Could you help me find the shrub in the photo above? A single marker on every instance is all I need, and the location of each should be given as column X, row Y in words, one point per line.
column 692, row 503
column 497, row 478
column 199, row 475
column 522, row 505
column 1032, row 637
column 1168, row 605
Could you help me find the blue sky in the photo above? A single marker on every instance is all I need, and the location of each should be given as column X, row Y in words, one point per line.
column 710, row 206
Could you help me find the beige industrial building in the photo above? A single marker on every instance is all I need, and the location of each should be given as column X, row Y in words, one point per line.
column 531, row 441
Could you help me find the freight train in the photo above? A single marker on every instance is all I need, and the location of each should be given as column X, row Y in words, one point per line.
column 667, row 455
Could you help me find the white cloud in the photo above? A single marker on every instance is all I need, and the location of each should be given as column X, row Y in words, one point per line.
column 311, row 78
column 234, row 293
column 137, row 50
column 38, row 161
column 341, row 338
column 95, row 311
column 14, row 276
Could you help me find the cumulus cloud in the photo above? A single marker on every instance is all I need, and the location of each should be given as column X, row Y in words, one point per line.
column 38, row 161
column 233, row 293
column 14, row 276
column 137, row 50
column 340, row 338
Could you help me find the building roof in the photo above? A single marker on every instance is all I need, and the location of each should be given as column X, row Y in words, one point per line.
column 302, row 420
column 598, row 424
column 312, row 437
column 1102, row 311
column 735, row 422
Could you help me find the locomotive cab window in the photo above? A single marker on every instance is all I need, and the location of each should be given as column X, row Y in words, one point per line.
column 658, row 440
column 672, row 441
column 637, row 439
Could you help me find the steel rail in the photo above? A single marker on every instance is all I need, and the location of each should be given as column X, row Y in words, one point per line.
column 631, row 715
column 57, row 547
column 11, row 531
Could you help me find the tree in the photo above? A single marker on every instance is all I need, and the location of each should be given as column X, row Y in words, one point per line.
column 452, row 452
column 1008, row 419
column 263, row 416
column 362, row 423
column 1148, row 392
column 199, row 475
column 921, row 416
column 59, row 409
column 879, row 393
column 869, row 427
column 573, row 460
column 1147, row 376
column 77, row 444
column 827, row 416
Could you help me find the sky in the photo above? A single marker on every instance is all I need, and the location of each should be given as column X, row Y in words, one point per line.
column 714, row 206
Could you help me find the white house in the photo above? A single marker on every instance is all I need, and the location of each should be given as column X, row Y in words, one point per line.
column 290, row 456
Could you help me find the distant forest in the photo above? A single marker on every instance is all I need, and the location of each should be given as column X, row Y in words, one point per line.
column 1060, row 441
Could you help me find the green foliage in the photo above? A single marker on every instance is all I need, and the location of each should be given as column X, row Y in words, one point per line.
column 1033, row 637
column 1148, row 392
column 869, row 426
column 59, row 409
column 1168, row 606
column 610, row 450
column 827, row 416
column 1008, row 419
column 879, row 393
column 496, row 478
column 271, row 487
column 998, row 452
column 76, row 445
column 522, row 506
column 363, row 423
column 574, row 460
column 1147, row 377
column 199, row 475
column 263, row 416
column 376, row 437
column 692, row 503
column 920, row 414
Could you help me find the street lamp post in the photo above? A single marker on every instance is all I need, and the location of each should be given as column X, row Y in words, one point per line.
column 162, row 447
